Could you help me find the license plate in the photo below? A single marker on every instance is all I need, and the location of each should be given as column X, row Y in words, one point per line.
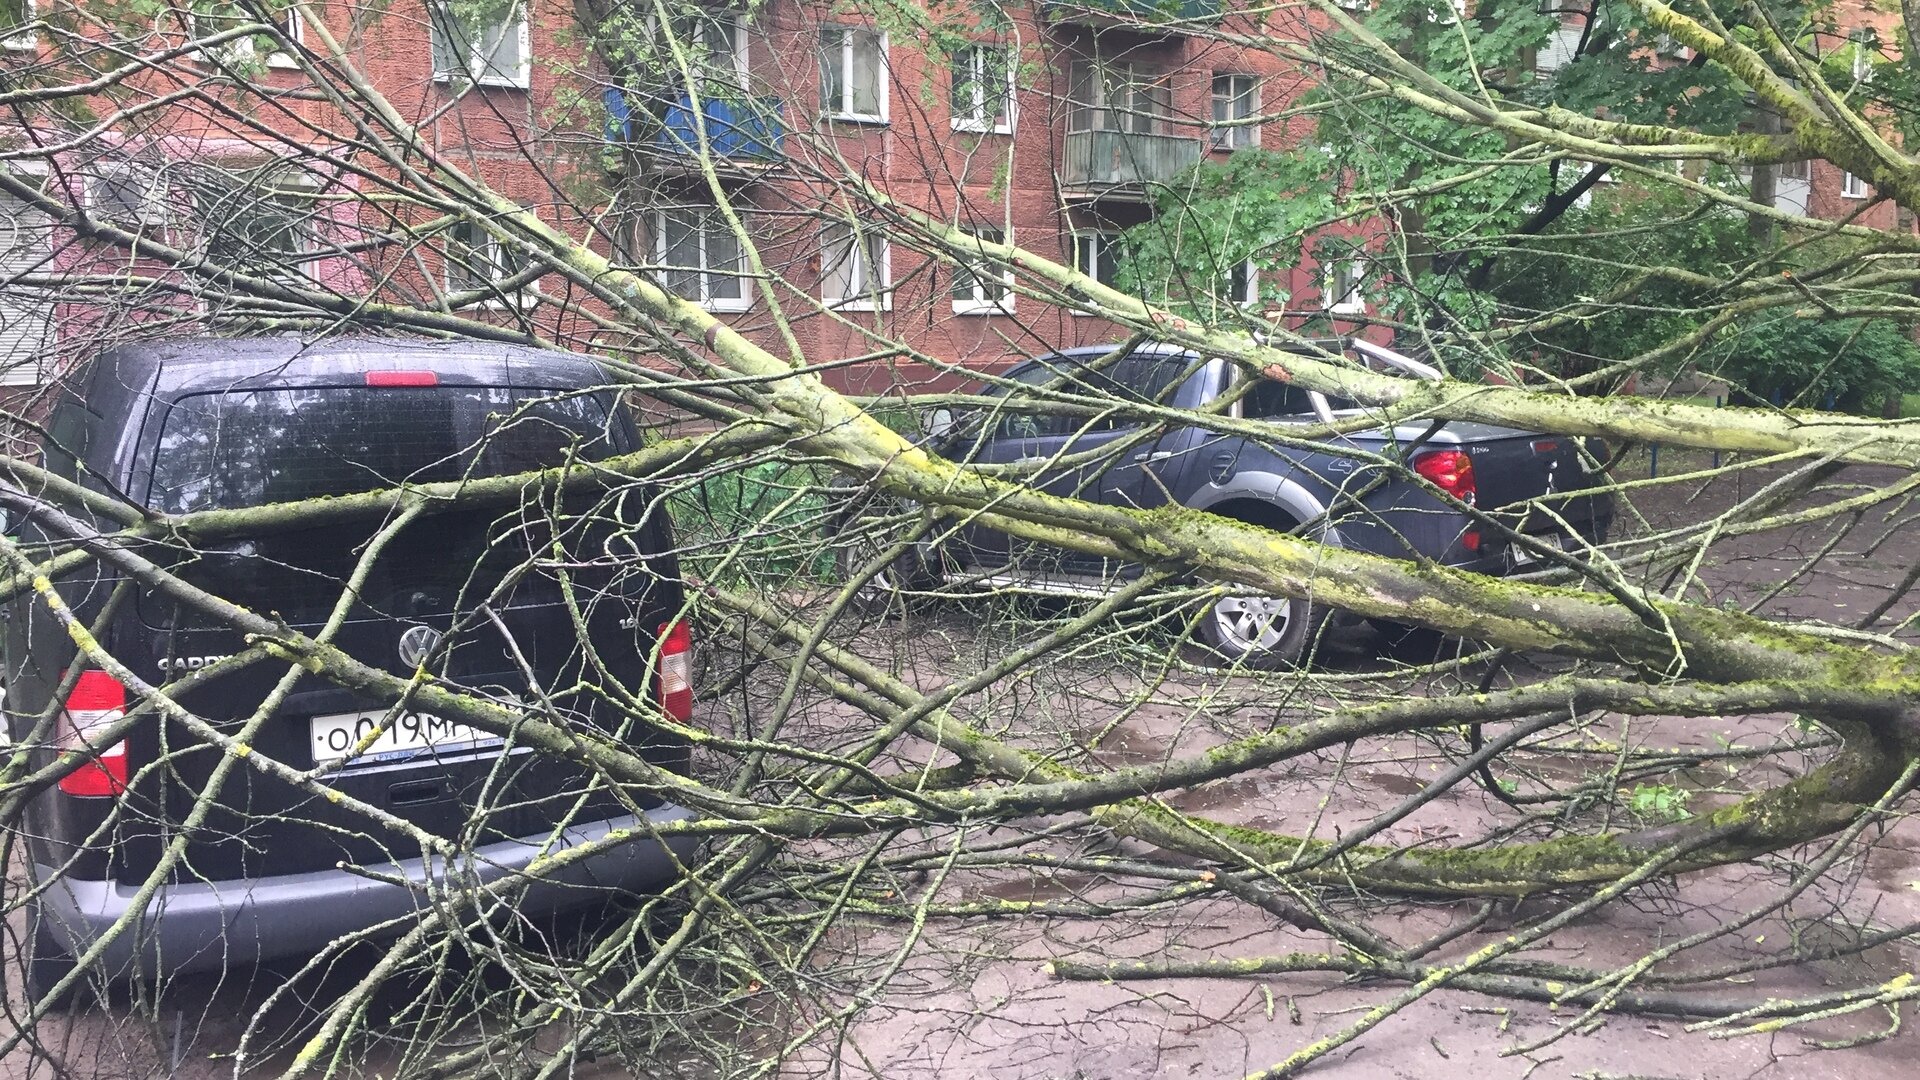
column 401, row 735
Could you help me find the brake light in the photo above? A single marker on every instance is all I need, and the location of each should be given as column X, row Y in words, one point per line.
column 1450, row 470
column 97, row 702
column 402, row 378
column 676, row 671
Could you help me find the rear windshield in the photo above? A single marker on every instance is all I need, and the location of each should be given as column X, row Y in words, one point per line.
column 229, row 450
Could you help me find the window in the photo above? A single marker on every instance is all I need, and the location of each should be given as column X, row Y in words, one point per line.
column 1342, row 275
column 700, row 257
column 716, row 46
column 129, row 194
column 222, row 16
column 1852, row 187
column 1236, row 100
column 491, row 54
column 478, row 262
column 983, row 89
column 1863, row 54
column 23, row 40
column 980, row 287
column 256, row 219
column 1562, row 46
column 1240, row 285
column 1356, row 5
column 852, row 73
column 26, row 311
column 1117, row 96
column 854, row 268
column 1097, row 254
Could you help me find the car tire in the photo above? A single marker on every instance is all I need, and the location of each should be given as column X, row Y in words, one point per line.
column 1259, row 631
column 898, row 585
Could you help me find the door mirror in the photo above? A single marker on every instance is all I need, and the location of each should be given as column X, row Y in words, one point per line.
column 938, row 423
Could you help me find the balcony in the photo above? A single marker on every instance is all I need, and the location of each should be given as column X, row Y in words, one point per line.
column 743, row 133
column 1162, row 14
column 1123, row 164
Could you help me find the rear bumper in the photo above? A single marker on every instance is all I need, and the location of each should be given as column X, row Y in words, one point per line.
column 205, row 926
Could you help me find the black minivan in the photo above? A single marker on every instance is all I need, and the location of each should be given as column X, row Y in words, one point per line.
column 488, row 598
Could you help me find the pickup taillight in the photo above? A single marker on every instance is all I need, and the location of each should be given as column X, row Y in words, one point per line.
column 1452, row 472
column 97, row 702
column 675, row 677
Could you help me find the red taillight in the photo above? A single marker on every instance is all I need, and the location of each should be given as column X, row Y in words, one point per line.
column 402, row 378
column 1450, row 470
column 676, row 671
column 97, row 702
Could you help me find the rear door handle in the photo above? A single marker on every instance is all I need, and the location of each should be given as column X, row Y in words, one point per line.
column 1157, row 455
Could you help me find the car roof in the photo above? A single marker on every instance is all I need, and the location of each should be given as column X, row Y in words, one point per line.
column 169, row 368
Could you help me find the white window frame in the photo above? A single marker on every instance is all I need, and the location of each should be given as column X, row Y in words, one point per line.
column 488, row 248
column 981, row 302
column 1238, row 135
column 977, row 121
column 883, row 82
column 1250, row 296
column 243, row 50
column 704, row 273
column 306, row 232
column 27, row 40
column 1561, row 49
column 1863, row 52
column 1088, row 245
column 1852, row 187
column 479, row 68
column 1356, row 5
column 1352, row 299
column 737, row 77
column 866, row 293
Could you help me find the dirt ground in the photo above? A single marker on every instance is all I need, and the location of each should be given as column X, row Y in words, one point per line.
column 978, row 998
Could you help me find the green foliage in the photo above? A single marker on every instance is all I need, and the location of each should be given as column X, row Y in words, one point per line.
column 1659, row 802
column 1809, row 362
column 756, row 524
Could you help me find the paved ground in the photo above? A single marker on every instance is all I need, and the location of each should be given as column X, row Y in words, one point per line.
column 977, row 998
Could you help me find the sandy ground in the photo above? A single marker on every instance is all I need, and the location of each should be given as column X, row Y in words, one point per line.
column 977, row 998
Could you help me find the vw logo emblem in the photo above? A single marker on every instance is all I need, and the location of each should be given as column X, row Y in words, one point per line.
column 417, row 643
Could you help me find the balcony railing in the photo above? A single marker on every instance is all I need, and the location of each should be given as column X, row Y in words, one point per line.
column 741, row 131
column 1167, row 13
column 1124, row 163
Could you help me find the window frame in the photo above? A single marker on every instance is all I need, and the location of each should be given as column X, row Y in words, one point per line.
column 1250, row 287
column 862, row 295
column 1239, row 135
column 277, row 177
column 27, row 40
column 883, row 85
column 1088, row 246
column 738, row 70
column 493, row 295
column 704, row 274
column 1352, row 298
column 243, row 49
column 1155, row 92
column 1001, row 122
column 8, row 378
column 1861, row 38
column 479, row 68
column 1853, row 187
column 979, row 302
column 152, row 211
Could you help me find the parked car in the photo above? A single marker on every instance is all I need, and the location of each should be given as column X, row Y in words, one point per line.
column 1527, row 481
column 209, row 424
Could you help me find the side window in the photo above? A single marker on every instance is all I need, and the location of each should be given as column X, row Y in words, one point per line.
column 67, row 441
column 1029, row 425
column 1271, row 399
column 1149, row 378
